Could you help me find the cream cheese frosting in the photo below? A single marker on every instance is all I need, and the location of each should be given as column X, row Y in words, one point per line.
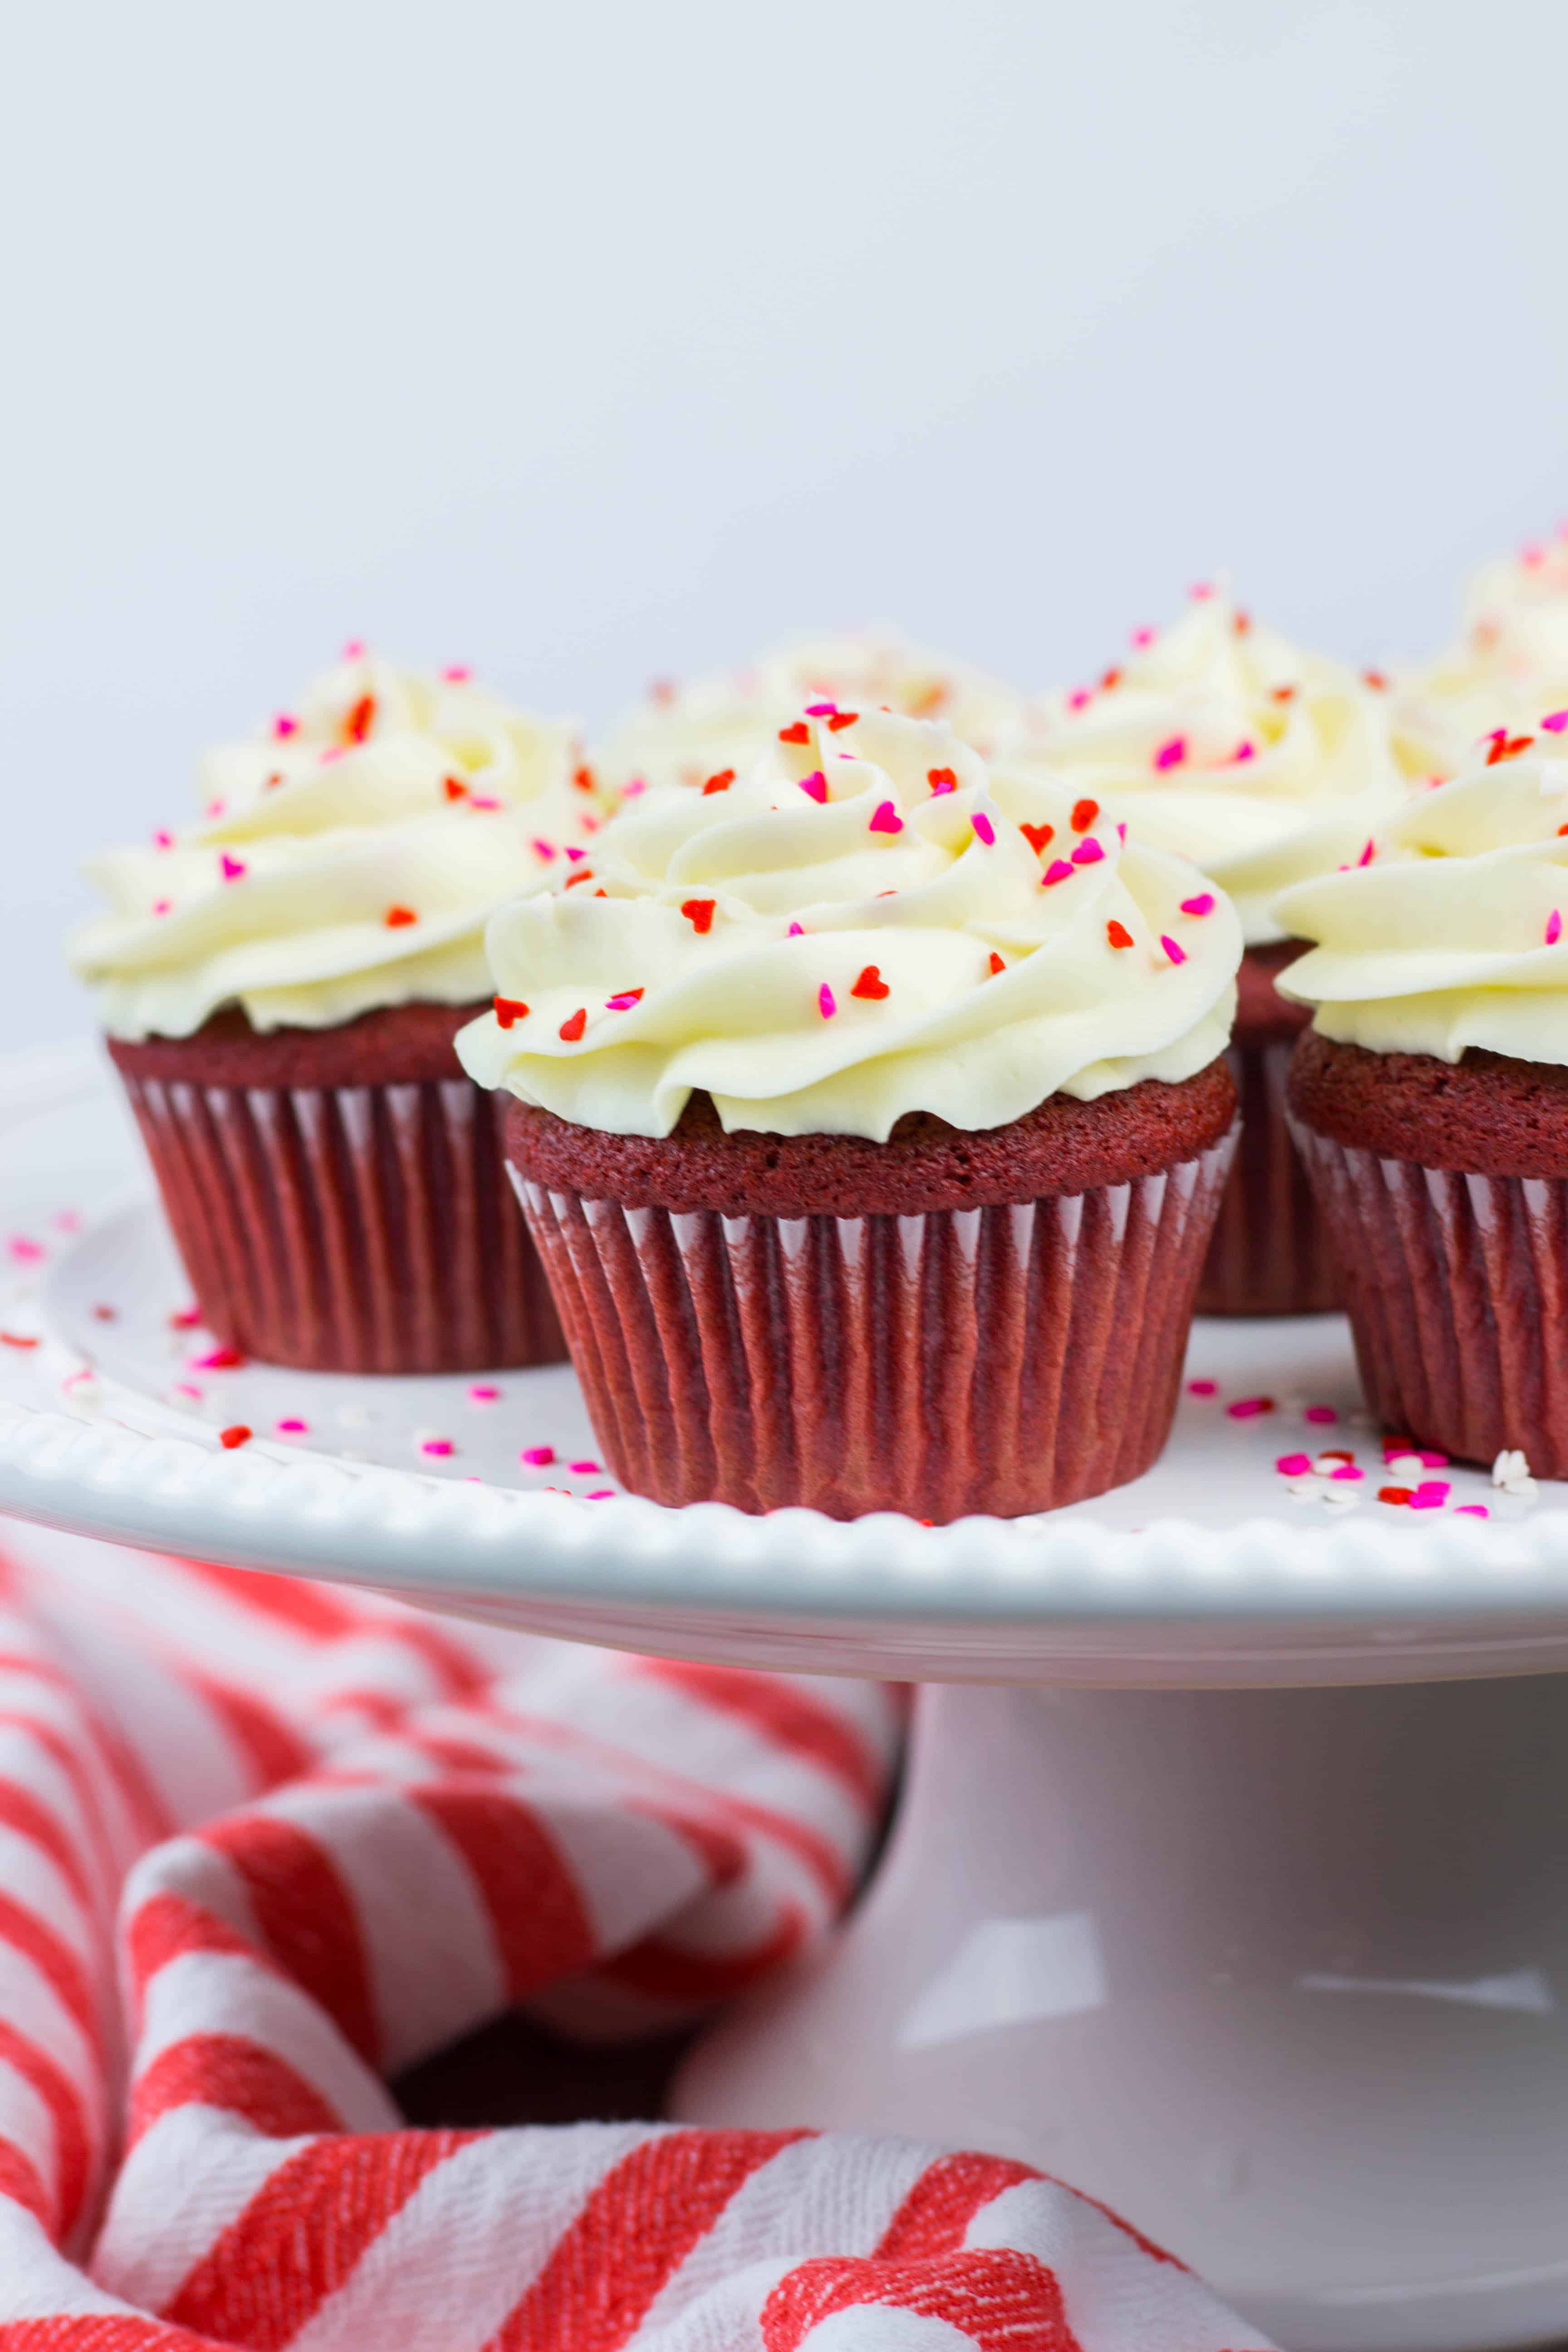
column 1453, row 934
column 682, row 735
column 1221, row 742
column 869, row 924
column 346, row 860
column 1510, row 665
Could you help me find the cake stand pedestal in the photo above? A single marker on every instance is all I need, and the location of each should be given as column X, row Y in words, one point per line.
column 1278, row 1973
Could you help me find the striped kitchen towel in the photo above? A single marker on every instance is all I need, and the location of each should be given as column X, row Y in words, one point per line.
column 263, row 1844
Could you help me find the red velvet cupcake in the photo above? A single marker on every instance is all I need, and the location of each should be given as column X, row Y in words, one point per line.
column 1219, row 741
column 281, row 986
column 871, row 1127
column 1430, row 1103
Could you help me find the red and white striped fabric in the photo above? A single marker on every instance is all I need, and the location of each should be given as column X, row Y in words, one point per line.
column 263, row 1844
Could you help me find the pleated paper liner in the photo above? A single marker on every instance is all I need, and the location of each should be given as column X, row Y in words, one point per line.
column 1271, row 1254
column 351, row 1228
column 1000, row 1360
column 1458, row 1301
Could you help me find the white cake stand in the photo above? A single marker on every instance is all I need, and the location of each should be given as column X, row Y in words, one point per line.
column 1231, row 1879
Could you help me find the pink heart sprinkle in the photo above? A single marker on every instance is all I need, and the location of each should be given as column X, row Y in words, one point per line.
column 163, row 840
column 813, row 786
column 1199, row 906
column 284, row 726
column 1176, row 953
column 233, row 867
column 440, row 1447
column 1141, row 637
column 1434, row 1461
column 1320, row 1413
column 1203, row 1388
column 1088, row 852
column 538, row 1457
column 1079, row 696
column 984, row 829
column 1294, row 1466
column 25, row 1251
column 1347, row 1470
column 821, row 709
column 600, row 1495
column 622, row 1003
column 354, row 649
column 574, row 854
column 1430, row 1495
column 1554, row 928
column 583, row 1469
column 1059, row 870
column 291, row 1428
column 163, row 906
column 545, row 849
column 1554, row 725
column 637, row 784
column 796, row 931
column 1172, row 754
column 1122, row 833
column 483, row 1393
column 1244, row 752
column 826, row 1005
column 1471, row 1511
column 488, row 800
column 885, row 818
column 1201, row 588
column 456, row 673
column 1246, row 1408
column 1367, row 854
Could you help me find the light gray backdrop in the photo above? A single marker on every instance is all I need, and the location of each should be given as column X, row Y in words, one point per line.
column 591, row 342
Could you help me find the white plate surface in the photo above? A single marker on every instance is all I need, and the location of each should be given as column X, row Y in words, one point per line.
column 1210, row 1569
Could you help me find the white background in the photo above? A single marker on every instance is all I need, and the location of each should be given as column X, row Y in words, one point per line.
column 593, row 341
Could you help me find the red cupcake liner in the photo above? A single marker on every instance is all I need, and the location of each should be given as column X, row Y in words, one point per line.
column 1457, row 1294
column 348, row 1229
column 1001, row 1359
column 1270, row 1253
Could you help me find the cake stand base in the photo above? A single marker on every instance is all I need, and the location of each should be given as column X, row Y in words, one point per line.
column 1279, row 1974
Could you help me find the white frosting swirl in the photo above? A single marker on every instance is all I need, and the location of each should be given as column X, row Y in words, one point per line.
column 1221, row 742
column 349, row 859
column 862, row 928
column 1510, row 663
column 682, row 735
column 1455, row 934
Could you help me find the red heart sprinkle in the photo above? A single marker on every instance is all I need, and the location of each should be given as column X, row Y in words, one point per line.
column 583, row 874
column 799, row 733
column 359, row 720
column 1118, row 935
column 1112, row 677
column 455, row 788
column 237, row 1435
column 699, row 913
column 870, row 984
column 842, row 718
column 1509, row 746
column 942, row 780
column 397, row 917
column 510, row 1009
column 720, row 782
column 1083, row 814
column 583, row 779
column 572, row 1028
column 1038, row 836
column 997, row 962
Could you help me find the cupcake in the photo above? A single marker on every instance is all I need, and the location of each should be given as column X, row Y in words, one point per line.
column 870, row 1125
column 281, row 983
column 1430, row 1102
column 684, row 734
column 1509, row 664
column 1218, row 741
